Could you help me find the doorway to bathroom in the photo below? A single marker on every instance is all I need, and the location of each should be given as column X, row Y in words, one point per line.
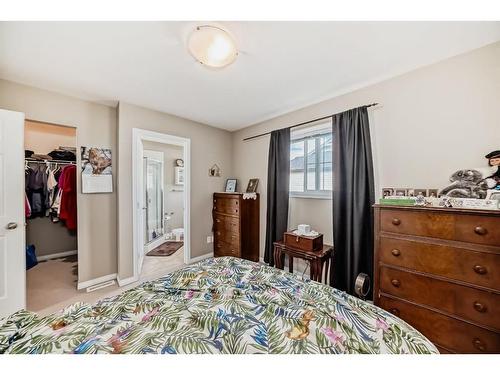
column 161, row 196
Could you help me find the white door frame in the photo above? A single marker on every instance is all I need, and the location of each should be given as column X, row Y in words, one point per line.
column 138, row 136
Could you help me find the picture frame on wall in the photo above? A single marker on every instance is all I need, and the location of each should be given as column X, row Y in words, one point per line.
column 230, row 185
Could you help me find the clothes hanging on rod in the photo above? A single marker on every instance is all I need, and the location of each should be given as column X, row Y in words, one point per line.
column 51, row 190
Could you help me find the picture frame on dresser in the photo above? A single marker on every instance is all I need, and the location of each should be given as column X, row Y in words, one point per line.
column 230, row 185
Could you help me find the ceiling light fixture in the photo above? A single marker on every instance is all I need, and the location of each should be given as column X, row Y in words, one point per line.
column 212, row 46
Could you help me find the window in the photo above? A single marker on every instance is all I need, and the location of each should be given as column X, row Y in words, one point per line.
column 311, row 161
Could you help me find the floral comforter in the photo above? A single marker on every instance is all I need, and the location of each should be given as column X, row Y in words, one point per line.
column 219, row 305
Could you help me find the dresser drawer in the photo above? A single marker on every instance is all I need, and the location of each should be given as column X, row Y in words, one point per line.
column 224, row 223
column 478, row 229
column 457, row 227
column 465, row 302
column 442, row 260
column 446, row 332
column 227, row 205
column 222, row 249
column 226, row 236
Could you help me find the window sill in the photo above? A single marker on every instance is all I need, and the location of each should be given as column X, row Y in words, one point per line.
column 310, row 196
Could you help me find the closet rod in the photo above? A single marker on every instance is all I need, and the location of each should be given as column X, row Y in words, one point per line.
column 31, row 160
column 302, row 123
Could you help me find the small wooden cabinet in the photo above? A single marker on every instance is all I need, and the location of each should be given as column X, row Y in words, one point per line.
column 236, row 226
column 439, row 270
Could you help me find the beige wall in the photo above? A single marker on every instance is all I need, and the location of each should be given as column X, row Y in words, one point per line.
column 43, row 138
column 208, row 146
column 172, row 193
column 432, row 122
column 96, row 126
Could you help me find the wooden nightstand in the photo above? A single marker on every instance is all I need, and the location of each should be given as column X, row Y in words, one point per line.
column 317, row 259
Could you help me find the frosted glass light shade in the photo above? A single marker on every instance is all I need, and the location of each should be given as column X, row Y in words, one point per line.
column 212, row 46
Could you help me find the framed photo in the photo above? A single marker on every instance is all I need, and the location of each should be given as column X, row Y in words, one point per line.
column 387, row 192
column 493, row 195
column 432, row 193
column 422, row 192
column 252, row 185
column 400, row 192
column 230, row 185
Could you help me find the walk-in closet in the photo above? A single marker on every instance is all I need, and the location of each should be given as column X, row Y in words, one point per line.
column 51, row 213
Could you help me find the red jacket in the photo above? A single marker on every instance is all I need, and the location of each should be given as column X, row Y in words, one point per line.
column 67, row 182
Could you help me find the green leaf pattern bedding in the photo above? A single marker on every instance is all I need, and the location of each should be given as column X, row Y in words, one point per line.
column 219, row 305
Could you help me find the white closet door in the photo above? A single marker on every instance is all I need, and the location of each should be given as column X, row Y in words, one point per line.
column 12, row 231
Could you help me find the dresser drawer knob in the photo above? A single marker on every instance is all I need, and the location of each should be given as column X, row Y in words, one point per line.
column 218, row 233
column 396, row 221
column 479, row 269
column 396, row 252
column 480, row 230
column 219, row 245
column 394, row 311
column 396, row 282
column 479, row 345
column 217, row 220
column 478, row 306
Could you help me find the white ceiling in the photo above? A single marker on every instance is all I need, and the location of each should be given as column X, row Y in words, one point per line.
column 282, row 66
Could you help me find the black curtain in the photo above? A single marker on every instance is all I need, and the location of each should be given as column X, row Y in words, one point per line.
column 278, row 180
column 353, row 197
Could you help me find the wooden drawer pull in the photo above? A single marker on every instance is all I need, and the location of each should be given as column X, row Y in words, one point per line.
column 396, row 282
column 396, row 252
column 480, row 230
column 219, row 245
column 394, row 311
column 480, row 270
column 217, row 233
column 478, row 306
column 217, row 220
column 396, row 221
column 479, row 345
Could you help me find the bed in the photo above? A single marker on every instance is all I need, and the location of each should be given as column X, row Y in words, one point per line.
column 219, row 305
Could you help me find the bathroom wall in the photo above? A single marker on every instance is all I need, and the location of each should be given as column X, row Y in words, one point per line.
column 173, row 194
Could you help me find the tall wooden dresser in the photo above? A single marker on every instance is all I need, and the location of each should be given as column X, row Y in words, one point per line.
column 236, row 226
column 439, row 270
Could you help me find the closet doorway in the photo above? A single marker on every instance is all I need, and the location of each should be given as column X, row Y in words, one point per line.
column 51, row 214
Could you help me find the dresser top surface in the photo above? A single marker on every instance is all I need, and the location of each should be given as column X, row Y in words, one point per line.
column 469, row 211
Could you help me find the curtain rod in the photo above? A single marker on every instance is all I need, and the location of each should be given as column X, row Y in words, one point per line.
column 302, row 123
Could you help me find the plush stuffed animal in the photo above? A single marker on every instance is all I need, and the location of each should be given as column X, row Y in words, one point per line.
column 494, row 162
column 474, row 183
column 466, row 183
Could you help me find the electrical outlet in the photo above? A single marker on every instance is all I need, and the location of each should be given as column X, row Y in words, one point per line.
column 209, row 239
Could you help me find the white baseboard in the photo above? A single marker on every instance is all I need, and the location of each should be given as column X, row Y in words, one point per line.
column 98, row 280
column 201, row 257
column 56, row 255
column 126, row 281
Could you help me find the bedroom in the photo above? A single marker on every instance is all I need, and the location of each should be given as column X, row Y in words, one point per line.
column 319, row 194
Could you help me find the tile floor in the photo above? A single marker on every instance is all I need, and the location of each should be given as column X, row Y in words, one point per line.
column 51, row 285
